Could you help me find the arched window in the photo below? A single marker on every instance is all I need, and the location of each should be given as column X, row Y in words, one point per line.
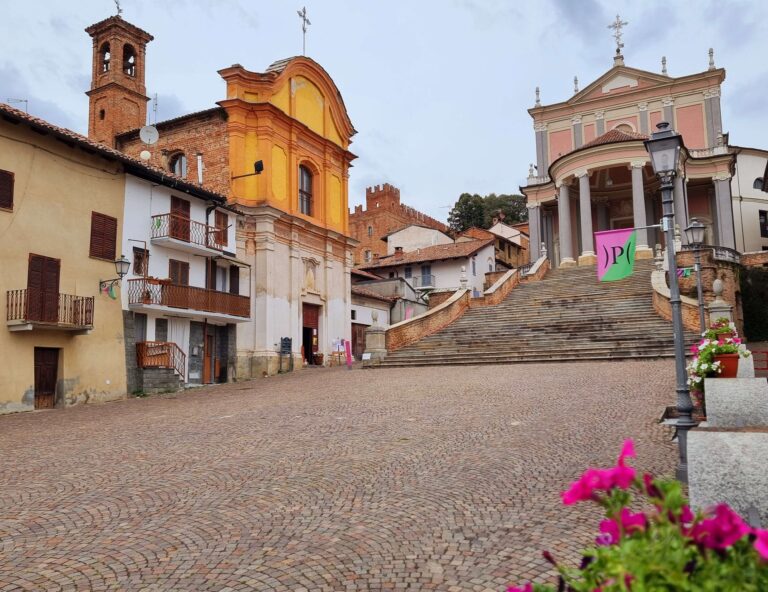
column 129, row 60
column 305, row 190
column 624, row 127
column 106, row 56
column 177, row 164
column 370, row 231
column 758, row 184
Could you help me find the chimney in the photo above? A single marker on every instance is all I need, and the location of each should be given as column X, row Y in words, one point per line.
column 398, row 252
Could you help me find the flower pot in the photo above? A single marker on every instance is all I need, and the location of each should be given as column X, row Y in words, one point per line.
column 729, row 364
column 729, row 335
column 318, row 359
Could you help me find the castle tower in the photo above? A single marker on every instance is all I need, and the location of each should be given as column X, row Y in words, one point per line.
column 118, row 101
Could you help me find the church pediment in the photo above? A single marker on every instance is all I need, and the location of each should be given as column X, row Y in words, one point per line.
column 619, row 79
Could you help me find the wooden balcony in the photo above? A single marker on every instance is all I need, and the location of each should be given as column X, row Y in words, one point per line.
column 30, row 309
column 154, row 293
column 161, row 354
column 182, row 233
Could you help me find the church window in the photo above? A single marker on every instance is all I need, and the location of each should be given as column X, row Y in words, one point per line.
column 758, row 184
column 177, row 164
column 624, row 127
column 102, row 114
column 105, row 57
column 129, row 60
column 305, row 190
column 370, row 231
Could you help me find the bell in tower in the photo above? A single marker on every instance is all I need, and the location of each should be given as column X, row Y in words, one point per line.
column 118, row 101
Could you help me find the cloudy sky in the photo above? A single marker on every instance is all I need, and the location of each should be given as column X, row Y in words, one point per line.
column 437, row 89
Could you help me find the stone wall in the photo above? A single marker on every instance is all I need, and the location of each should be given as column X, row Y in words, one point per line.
column 662, row 306
column 410, row 331
column 437, row 298
column 133, row 372
column 756, row 259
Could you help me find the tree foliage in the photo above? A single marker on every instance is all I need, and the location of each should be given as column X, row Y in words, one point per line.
column 476, row 210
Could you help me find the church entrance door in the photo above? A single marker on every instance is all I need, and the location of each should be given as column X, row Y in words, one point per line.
column 310, row 338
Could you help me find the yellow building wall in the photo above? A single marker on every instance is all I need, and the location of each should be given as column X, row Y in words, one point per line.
column 310, row 104
column 56, row 189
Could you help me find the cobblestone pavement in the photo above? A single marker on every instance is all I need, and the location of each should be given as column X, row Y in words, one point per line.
column 420, row 479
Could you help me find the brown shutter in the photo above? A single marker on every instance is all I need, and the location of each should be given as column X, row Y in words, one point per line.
column 234, row 280
column 6, row 189
column 221, row 228
column 178, row 272
column 103, row 236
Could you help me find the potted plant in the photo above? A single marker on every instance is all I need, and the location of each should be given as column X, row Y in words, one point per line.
column 721, row 328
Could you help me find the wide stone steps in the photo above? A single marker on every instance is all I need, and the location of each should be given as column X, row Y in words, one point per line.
column 567, row 316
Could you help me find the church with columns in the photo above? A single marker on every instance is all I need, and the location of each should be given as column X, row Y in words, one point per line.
column 593, row 172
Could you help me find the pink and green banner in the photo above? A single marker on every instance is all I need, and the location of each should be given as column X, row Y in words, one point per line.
column 615, row 253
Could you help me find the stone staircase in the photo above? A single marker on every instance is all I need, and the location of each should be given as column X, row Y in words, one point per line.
column 566, row 316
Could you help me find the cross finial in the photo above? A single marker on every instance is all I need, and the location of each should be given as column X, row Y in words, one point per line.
column 119, row 10
column 616, row 26
column 575, row 84
column 304, row 22
column 538, row 97
column 711, row 59
column 664, row 65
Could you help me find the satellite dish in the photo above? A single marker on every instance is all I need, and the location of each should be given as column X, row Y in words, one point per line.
column 148, row 134
column 145, row 155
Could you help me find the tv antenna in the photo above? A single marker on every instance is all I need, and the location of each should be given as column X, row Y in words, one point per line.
column 25, row 101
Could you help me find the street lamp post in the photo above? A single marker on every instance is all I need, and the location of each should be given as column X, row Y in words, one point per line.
column 664, row 148
column 695, row 235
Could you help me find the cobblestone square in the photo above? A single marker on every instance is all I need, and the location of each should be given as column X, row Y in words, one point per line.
column 439, row 478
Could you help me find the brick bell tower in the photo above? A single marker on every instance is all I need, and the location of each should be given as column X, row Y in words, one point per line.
column 118, row 101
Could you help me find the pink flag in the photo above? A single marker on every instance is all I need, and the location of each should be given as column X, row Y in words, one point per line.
column 615, row 253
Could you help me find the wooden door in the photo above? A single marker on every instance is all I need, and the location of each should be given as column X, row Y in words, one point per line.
column 208, row 359
column 46, row 373
column 358, row 340
column 179, row 218
column 43, row 289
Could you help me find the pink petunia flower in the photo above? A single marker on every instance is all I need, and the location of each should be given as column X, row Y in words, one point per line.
column 609, row 533
column 720, row 531
column 761, row 542
column 593, row 480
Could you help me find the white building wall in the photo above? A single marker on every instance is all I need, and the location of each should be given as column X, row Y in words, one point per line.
column 416, row 237
column 748, row 201
column 363, row 309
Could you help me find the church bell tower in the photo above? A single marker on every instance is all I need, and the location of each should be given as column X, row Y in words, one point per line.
column 118, row 101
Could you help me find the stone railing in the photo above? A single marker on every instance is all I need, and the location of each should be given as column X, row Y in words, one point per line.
column 539, row 180
column 662, row 306
column 718, row 253
column 498, row 291
column 411, row 330
column 538, row 270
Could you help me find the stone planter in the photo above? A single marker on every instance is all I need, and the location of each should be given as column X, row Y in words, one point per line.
column 729, row 364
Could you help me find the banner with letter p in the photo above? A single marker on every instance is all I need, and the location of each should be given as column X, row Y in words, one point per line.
column 615, row 253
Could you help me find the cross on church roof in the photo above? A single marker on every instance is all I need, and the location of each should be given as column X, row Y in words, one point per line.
column 304, row 22
column 616, row 26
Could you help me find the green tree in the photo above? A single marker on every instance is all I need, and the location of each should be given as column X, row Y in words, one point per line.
column 472, row 209
column 511, row 206
column 467, row 212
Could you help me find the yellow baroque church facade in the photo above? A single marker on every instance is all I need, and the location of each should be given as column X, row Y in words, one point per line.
column 278, row 147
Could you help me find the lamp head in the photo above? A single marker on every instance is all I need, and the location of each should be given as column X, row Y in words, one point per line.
column 664, row 148
column 695, row 232
column 258, row 166
column 121, row 266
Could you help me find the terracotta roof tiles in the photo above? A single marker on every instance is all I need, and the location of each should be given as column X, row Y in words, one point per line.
column 434, row 253
column 613, row 136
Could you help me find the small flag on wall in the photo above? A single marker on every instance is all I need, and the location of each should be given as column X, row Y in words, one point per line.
column 615, row 253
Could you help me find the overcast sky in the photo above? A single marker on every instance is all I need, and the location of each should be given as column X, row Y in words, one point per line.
column 437, row 89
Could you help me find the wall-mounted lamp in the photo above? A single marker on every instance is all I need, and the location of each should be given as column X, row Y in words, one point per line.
column 121, row 269
column 258, row 167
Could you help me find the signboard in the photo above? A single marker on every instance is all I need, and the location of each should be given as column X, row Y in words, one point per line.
column 615, row 253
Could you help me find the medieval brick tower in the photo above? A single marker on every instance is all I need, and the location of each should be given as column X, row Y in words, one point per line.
column 118, row 101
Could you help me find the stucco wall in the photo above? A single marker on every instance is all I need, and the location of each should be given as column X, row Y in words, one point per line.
column 364, row 307
column 748, row 201
column 56, row 189
column 416, row 237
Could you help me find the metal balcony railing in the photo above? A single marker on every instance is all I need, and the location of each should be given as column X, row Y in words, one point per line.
column 161, row 354
column 189, row 231
column 423, row 281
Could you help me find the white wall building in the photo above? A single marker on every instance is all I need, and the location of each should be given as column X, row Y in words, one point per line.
column 185, row 290
column 415, row 237
column 750, row 202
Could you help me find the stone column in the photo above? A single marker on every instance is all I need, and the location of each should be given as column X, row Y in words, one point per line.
column 726, row 235
column 577, row 131
column 587, row 256
column 644, row 122
column 542, row 156
column 599, row 123
column 642, row 251
column 534, row 231
column 681, row 211
column 668, row 107
column 564, row 226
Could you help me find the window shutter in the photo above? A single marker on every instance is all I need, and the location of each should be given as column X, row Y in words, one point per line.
column 103, row 236
column 6, row 189
column 234, row 280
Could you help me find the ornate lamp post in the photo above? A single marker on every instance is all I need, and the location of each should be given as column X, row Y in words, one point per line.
column 695, row 235
column 664, row 148
column 121, row 269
